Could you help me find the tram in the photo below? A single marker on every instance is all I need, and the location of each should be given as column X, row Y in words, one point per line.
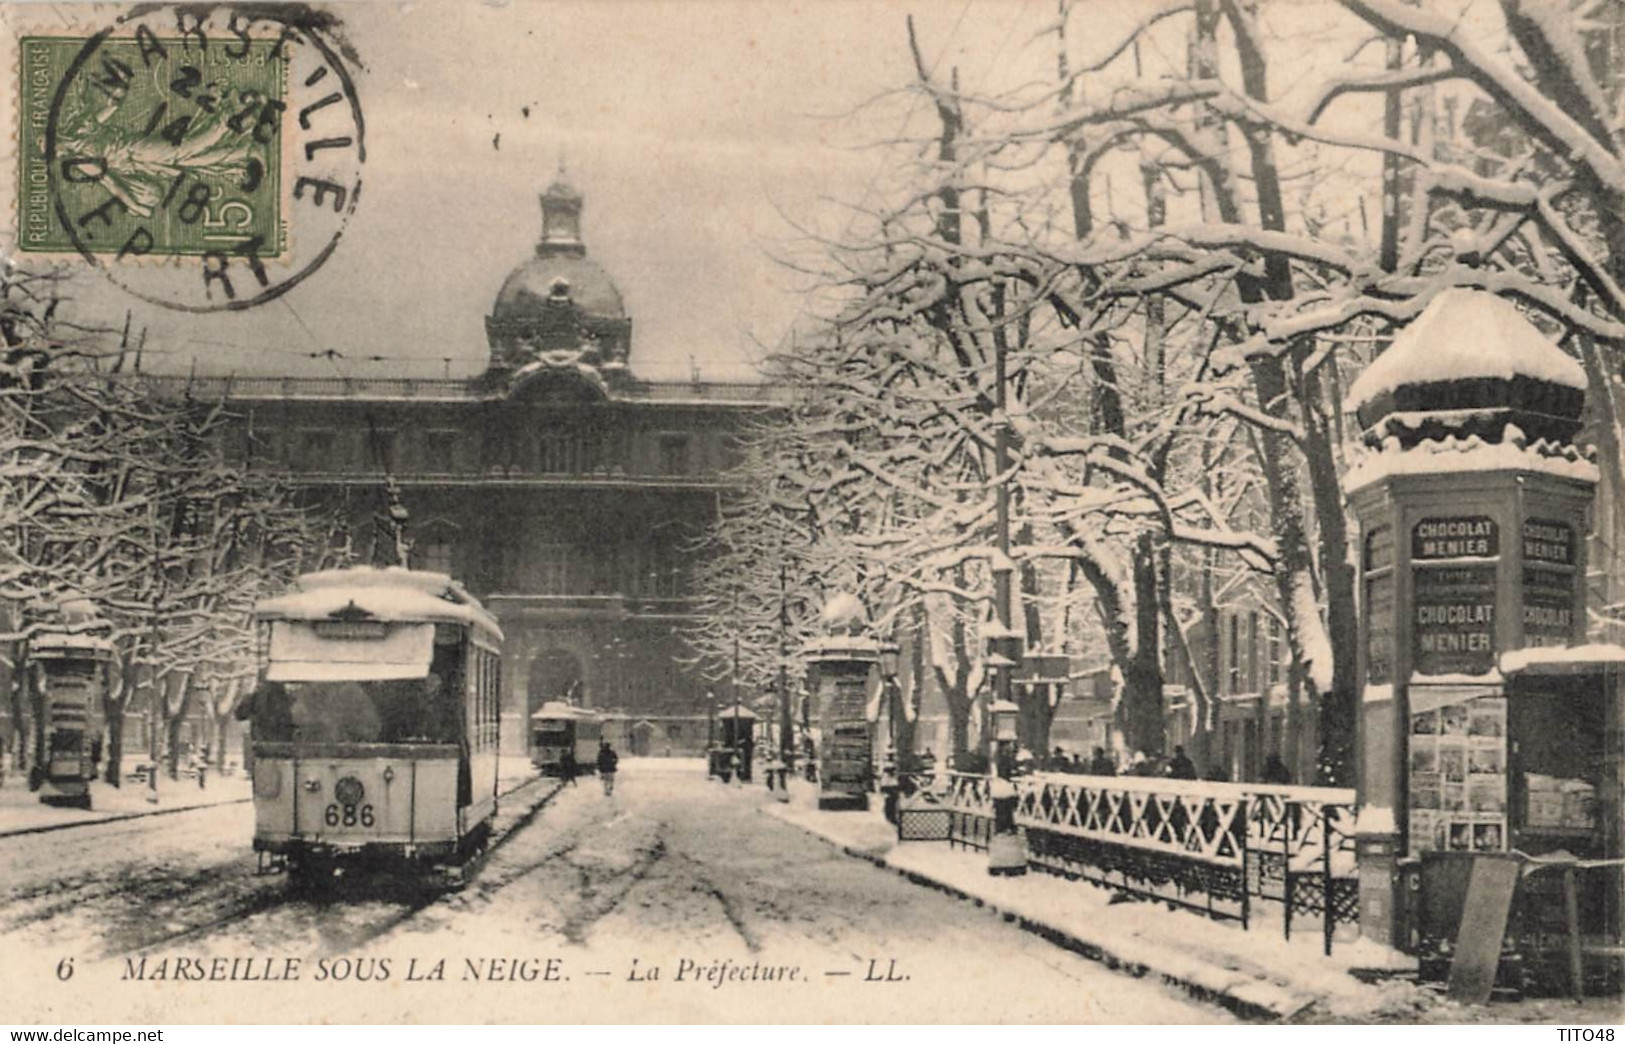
column 375, row 728
column 558, row 727
column 70, row 678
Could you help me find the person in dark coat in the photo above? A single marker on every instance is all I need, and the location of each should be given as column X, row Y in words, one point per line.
column 1180, row 766
column 607, row 761
column 1101, row 764
column 568, row 767
column 1275, row 770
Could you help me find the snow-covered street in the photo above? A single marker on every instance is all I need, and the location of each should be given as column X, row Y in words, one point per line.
column 675, row 899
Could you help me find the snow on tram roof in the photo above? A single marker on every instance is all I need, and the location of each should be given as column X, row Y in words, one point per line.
column 392, row 594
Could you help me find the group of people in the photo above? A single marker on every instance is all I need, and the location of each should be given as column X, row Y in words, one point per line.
column 1177, row 766
column 607, row 763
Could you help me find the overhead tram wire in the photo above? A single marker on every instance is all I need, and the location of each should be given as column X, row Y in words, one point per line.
column 389, row 489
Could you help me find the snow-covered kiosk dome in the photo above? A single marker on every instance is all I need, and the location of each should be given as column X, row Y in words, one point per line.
column 1469, row 365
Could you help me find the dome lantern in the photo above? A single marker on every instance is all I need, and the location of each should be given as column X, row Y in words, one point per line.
column 561, row 219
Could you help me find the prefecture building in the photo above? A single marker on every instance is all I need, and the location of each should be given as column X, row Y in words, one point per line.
column 561, row 488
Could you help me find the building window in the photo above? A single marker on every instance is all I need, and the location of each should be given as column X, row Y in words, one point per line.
column 1253, row 671
column 381, row 450
column 553, row 569
column 674, row 455
column 664, row 576
column 1233, row 661
column 434, row 554
column 555, row 455
column 439, row 452
column 1274, row 645
column 732, row 451
column 567, row 453
column 316, row 450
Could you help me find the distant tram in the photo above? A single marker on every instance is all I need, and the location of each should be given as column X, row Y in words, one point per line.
column 375, row 729
column 70, row 677
column 558, row 727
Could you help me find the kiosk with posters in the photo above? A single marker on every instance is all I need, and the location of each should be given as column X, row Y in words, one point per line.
column 1489, row 732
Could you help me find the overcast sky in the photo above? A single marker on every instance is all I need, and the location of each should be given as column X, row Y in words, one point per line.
column 693, row 130
column 701, row 133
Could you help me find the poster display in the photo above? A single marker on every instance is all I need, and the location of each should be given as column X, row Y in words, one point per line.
column 1458, row 773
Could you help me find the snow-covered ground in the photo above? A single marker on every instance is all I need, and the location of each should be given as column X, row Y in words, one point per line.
column 674, row 900
column 1291, row 977
column 20, row 808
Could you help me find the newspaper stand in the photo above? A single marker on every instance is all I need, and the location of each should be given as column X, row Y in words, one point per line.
column 735, row 745
column 1561, row 750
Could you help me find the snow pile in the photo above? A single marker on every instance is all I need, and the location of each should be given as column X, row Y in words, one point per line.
column 1517, row 660
column 392, row 595
column 1451, row 455
column 1461, row 335
column 842, row 610
column 1378, row 694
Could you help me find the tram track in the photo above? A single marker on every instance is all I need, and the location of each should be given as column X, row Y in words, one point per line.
column 145, row 909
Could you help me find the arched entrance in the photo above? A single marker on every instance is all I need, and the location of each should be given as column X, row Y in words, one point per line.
column 555, row 674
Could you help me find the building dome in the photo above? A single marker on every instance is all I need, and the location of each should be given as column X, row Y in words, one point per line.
column 559, row 309
column 527, row 290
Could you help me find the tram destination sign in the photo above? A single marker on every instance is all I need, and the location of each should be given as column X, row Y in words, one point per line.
column 352, row 630
column 1474, row 536
column 1453, row 621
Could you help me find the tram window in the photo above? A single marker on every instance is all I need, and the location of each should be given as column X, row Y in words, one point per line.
column 270, row 712
column 404, row 711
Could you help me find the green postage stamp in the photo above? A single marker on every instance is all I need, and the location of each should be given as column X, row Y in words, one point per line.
column 163, row 146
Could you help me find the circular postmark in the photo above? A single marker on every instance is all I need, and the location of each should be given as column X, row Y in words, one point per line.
column 204, row 157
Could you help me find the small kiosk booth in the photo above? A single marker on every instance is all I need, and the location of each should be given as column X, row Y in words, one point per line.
column 69, row 679
column 733, row 744
column 1489, row 732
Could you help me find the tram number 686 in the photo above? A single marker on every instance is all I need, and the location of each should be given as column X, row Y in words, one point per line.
column 348, row 815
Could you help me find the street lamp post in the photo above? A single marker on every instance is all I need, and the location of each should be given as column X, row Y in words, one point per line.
column 733, row 736
column 1006, row 851
column 890, row 766
column 787, row 742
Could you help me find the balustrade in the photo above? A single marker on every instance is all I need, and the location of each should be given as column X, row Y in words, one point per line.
column 1208, row 846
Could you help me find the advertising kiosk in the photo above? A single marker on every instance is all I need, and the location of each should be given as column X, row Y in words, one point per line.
column 1488, row 731
column 69, row 681
column 844, row 678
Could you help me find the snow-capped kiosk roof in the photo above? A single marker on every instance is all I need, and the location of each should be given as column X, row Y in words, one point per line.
column 1466, row 334
column 392, row 595
column 1470, row 366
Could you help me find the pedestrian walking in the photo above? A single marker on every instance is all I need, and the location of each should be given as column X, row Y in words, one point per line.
column 1180, row 766
column 569, row 768
column 1275, row 770
column 607, row 761
column 1101, row 764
